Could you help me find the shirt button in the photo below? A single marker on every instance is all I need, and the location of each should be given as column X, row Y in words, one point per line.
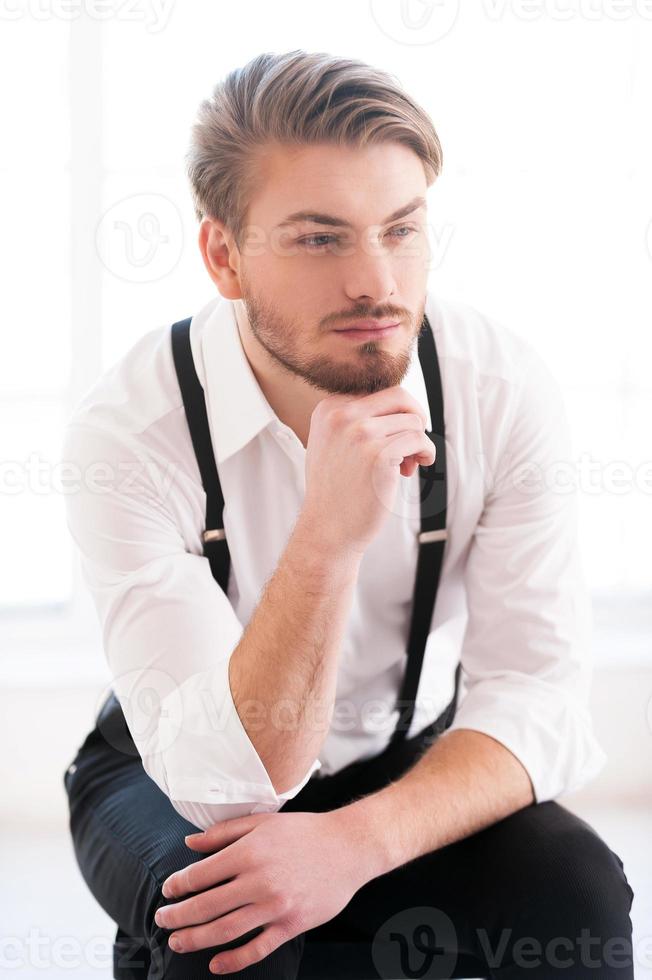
column 72, row 768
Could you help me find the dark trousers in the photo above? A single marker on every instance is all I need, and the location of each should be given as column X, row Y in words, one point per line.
column 538, row 894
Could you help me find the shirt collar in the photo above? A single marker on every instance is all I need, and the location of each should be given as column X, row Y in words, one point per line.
column 228, row 380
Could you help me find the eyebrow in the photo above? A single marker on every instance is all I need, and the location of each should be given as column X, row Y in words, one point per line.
column 328, row 219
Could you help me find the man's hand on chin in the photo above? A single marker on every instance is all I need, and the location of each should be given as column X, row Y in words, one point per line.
column 288, row 872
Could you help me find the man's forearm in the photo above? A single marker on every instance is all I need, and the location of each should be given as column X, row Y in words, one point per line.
column 464, row 781
column 283, row 672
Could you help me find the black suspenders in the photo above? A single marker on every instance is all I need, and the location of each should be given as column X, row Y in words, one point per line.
column 432, row 537
column 433, row 499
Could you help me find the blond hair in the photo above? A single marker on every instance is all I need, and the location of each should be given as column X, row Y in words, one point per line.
column 295, row 98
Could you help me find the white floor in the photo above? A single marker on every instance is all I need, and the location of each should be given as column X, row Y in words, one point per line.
column 52, row 927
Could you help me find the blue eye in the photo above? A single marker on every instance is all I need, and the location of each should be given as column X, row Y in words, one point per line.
column 404, row 228
column 311, row 243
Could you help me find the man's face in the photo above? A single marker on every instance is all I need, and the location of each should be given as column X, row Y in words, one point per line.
column 302, row 280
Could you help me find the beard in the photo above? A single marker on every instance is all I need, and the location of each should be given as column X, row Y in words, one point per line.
column 367, row 368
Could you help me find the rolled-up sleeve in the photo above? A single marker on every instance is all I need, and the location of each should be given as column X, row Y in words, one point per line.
column 168, row 629
column 526, row 652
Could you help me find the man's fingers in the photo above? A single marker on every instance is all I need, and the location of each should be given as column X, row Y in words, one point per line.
column 198, row 842
column 200, row 875
column 197, row 877
column 223, row 833
column 230, row 928
column 234, row 960
column 208, row 906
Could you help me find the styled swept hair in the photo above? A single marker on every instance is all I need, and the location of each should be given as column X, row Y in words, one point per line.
column 296, row 98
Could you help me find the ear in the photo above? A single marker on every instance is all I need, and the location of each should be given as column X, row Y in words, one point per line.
column 221, row 257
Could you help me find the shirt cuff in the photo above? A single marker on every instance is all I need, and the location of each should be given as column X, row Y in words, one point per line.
column 204, row 751
column 547, row 728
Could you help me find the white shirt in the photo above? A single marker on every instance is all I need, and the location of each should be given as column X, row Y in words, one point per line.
column 512, row 603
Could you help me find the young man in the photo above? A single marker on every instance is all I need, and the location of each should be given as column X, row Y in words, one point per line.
column 321, row 363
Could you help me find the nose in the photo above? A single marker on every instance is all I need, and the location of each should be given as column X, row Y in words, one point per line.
column 369, row 274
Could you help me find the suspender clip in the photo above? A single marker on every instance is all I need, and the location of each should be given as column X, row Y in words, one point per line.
column 214, row 535
column 439, row 535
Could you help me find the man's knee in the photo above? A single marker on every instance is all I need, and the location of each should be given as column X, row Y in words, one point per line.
column 165, row 963
column 600, row 882
column 282, row 963
column 172, row 855
column 563, row 892
column 581, row 879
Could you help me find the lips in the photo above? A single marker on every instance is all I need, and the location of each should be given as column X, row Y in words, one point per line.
column 378, row 333
column 367, row 325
